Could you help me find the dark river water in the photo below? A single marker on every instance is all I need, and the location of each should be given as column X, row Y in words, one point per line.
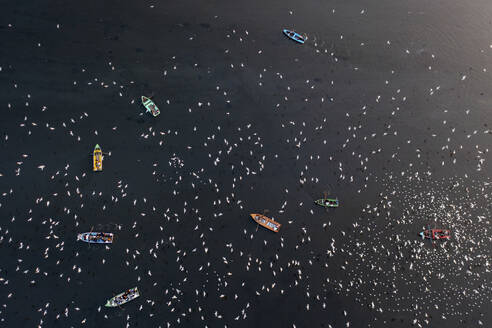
column 385, row 107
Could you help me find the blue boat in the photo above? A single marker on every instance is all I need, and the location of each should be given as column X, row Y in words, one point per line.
column 294, row 36
column 96, row 237
column 123, row 298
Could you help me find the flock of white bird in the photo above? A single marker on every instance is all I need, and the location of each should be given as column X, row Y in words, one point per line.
column 192, row 248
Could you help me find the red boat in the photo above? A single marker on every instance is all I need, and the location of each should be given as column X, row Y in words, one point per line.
column 436, row 234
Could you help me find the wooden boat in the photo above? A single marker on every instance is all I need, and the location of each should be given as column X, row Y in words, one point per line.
column 436, row 234
column 151, row 107
column 123, row 298
column 266, row 222
column 327, row 202
column 97, row 159
column 294, row 36
column 96, row 237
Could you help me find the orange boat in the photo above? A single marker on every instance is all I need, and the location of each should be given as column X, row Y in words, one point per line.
column 266, row 222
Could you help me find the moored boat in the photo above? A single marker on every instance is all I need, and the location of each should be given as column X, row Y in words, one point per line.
column 123, row 298
column 97, row 159
column 327, row 202
column 294, row 36
column 150, row 106
column 96, row 237
column 266, row 222
column 436, row 234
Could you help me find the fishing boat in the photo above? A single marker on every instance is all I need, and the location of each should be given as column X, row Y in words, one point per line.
column 123, row 298
column 266, row 222
column 327, row 202
column 151, row 107
column 436, row 234
column 96, row 237
column 97, row 159
column 294, row 36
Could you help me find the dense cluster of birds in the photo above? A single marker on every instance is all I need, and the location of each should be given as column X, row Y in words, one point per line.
column 177, row 191
column 415, row 275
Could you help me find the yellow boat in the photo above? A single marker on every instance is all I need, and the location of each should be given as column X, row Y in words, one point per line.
column 97, row 159
column 266, row 222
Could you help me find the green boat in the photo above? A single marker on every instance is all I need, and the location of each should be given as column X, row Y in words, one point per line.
column 123, row 298
column 151, row 107
column 327, row 202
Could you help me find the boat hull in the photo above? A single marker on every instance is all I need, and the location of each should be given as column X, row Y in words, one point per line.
column 266, row 222
column 96, row 237
column 150, row 106
column 436, row 234
column 294, row 36
column 327, row 202
column 97, row 159
column 123, row 298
